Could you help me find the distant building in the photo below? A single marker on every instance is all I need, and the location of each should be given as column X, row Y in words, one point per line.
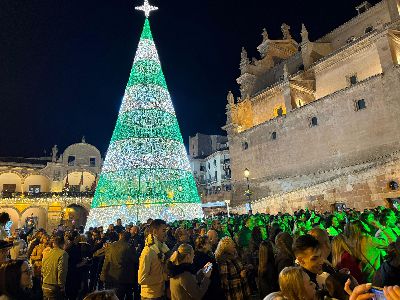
column 210, row 163
column 51, row 189
column 317, row 122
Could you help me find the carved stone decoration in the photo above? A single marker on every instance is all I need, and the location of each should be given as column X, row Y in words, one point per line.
column 246, row 82
column 304, row 34
column 244, row 61
column 285, row 31
column 265, row 35
column 230, row 98
column 54, row 152
column 285, row 72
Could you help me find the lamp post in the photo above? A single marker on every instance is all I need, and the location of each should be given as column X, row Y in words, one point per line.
column 248, row 193
column 227, row 207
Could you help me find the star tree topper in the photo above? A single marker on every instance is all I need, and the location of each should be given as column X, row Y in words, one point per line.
column 147, row 8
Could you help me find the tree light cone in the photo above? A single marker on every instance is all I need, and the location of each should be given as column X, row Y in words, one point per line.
column 146, row 172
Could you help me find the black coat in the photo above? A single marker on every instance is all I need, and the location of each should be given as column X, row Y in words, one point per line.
column 215, row 290
column 120, row 263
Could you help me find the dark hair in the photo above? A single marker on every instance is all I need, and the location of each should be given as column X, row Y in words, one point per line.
column 157, row 223
column 4, row 217
column 10, row 278
column 58, row 241
column 283, row 243
column 304, row 242
column 201, row 242
column 125, row 235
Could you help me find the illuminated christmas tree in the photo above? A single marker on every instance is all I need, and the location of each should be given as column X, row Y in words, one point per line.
column 146, row 172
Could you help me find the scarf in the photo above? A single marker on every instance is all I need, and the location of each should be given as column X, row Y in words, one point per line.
column 159, row 248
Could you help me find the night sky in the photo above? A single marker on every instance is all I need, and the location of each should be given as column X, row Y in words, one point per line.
column 64, row 64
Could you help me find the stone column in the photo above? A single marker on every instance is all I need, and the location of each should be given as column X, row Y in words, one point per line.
column 287, row 97
column 393, row 9
column 384, row 52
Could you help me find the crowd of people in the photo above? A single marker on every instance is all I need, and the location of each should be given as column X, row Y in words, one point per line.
column 305, row 256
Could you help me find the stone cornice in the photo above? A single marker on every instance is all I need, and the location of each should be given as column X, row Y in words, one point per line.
column 352, row 22
column 346, row 51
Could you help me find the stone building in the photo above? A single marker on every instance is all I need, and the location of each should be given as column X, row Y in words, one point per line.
column 211, row 170
column 317, row 122
column 50, row 189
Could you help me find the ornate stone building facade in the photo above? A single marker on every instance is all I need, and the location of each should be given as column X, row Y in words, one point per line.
column 320, row 118
column 50, row 190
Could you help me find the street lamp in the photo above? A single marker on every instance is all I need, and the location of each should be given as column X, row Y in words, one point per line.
column 248, row 193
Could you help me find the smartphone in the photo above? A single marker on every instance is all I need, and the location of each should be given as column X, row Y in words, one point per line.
column 378, row 293
column 208, row 268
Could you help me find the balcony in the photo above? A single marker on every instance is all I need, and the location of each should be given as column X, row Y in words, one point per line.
column 9, row 195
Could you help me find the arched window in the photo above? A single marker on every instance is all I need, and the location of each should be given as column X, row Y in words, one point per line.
column 369, row 29
column 245, row 145
column 360, row 104
column 314, row 121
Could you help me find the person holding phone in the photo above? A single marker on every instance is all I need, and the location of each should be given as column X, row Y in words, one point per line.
column 184, row 284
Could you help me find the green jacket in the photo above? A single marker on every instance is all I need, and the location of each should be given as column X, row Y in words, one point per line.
column 55, row 267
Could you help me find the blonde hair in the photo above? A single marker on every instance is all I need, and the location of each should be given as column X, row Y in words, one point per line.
column 223, row 244
column 291, row 283
column 179, row 255
column 339, row 245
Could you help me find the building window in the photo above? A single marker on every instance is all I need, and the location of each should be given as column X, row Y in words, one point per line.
column 314, row 121
column 71, row 160
column 360, row 104
column 279, row 112
column 34, row 189
column 215, row 163
column 273, row 136
column 369, row 29
column 301, row 67
column 92, row 162
column 9, row 188
column 215, row 176
column 393, row 185
column 245, row 145
column 209, row 166
column 353, row 79
column 75, row 188
column 202, row 169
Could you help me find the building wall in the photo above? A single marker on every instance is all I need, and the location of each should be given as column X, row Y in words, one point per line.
column 343, row 136
column 363, row 63
column 357, row 189
column 375, row 16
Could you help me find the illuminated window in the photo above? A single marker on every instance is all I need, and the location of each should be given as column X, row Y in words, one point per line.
column 75, row 188
column 279, row 111
column 314, row 121
column 360, row 104
column 71, row 160
column 9, row 188
column 34, row 189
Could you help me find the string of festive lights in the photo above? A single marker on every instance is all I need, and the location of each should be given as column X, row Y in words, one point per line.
column 146, row 172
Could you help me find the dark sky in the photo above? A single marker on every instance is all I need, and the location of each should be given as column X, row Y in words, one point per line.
column 64, row 64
